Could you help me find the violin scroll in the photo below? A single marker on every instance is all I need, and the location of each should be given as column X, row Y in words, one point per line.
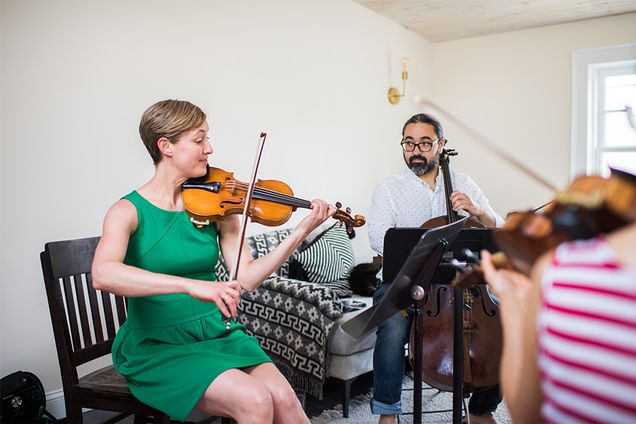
column 347, row 219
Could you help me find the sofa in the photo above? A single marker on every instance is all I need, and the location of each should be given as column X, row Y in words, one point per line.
column 296, row 314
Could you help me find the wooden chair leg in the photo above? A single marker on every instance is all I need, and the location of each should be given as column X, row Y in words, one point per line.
column 74, row 415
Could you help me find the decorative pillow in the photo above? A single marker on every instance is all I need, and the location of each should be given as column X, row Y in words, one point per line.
column 329, row 257
column 260, row 245
column 341, row 288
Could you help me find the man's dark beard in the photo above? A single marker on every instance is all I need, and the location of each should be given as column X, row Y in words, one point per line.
column 423, row 167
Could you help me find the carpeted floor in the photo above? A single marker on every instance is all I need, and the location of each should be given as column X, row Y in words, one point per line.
column 329, row 410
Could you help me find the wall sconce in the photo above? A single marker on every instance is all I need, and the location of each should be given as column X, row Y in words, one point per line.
column 394, row 93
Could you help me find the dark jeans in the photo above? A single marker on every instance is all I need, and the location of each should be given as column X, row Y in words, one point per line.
column 388, row 367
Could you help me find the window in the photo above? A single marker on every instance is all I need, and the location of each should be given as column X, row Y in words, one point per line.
column 613, row 138
column 603, row 110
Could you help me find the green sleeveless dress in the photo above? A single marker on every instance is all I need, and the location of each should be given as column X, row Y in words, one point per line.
column 171, row 347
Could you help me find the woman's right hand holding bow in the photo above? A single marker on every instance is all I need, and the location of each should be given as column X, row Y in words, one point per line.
column 225, row 294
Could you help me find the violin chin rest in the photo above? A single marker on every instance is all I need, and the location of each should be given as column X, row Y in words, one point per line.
column 198, row 223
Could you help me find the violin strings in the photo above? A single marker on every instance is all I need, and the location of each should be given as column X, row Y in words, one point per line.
column 282, row 198
column 271, row 195
column 274, row 195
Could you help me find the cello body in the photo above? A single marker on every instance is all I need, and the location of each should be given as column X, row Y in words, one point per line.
column 481, row 328
column 481, row 333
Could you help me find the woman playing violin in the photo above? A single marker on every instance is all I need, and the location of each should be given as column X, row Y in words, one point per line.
column 174, row 348
column 570, row 330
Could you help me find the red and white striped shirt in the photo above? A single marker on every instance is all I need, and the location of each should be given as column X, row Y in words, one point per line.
column 587, row 336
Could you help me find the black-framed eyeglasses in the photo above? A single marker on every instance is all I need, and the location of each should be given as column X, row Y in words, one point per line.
column 424, row 146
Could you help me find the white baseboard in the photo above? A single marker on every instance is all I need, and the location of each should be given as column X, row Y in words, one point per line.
column 55, row 403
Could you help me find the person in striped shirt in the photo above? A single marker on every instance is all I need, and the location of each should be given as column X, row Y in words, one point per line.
column 569, row 351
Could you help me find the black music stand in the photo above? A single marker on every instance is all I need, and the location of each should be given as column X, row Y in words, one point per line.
column 408, row 288
column 398, row 242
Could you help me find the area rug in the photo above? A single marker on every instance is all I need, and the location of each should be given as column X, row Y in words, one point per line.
column 432, row 400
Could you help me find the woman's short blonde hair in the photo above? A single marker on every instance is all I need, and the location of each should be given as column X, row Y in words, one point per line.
column 169, row 119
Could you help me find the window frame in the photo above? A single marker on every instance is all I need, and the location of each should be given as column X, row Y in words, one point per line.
column 598, row 74
column 588, row 68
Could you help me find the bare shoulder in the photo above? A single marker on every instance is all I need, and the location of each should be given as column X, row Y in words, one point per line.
column 121, row 216
column 120, row 222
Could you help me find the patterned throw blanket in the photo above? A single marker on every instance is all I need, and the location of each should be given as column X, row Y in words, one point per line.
column 291, row 320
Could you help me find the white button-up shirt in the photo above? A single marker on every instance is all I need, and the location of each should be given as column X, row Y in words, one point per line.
column 404, row 200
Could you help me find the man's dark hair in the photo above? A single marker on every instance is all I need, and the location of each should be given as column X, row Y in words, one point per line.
column 424, row 118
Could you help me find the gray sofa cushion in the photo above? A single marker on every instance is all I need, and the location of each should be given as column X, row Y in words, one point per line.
column 341, row 343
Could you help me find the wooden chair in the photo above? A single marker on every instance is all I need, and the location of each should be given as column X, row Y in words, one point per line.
column 85, row 321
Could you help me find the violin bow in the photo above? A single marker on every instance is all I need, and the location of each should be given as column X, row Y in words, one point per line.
column 246, row 212
column 484, row 141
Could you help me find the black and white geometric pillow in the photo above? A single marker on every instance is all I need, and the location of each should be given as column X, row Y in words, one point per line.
column 341, row 288
column 329, row 257
column 260, row 245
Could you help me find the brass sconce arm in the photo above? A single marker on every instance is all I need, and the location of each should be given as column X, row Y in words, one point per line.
column 394, row 94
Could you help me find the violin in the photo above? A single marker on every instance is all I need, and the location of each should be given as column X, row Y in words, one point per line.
column 217, row 194
column 590, row 206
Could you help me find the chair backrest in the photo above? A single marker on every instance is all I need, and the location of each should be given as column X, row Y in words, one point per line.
column 84, row 320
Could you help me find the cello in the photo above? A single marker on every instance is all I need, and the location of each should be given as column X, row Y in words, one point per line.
column 451, row 215
column 481, row 329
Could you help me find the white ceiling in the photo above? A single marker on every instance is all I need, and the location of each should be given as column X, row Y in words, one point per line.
column 445, row 20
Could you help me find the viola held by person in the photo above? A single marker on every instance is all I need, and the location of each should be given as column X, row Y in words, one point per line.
column 218, row 194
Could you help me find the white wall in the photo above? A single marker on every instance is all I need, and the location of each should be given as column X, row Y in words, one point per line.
column 515, row 88
column 76, row 76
